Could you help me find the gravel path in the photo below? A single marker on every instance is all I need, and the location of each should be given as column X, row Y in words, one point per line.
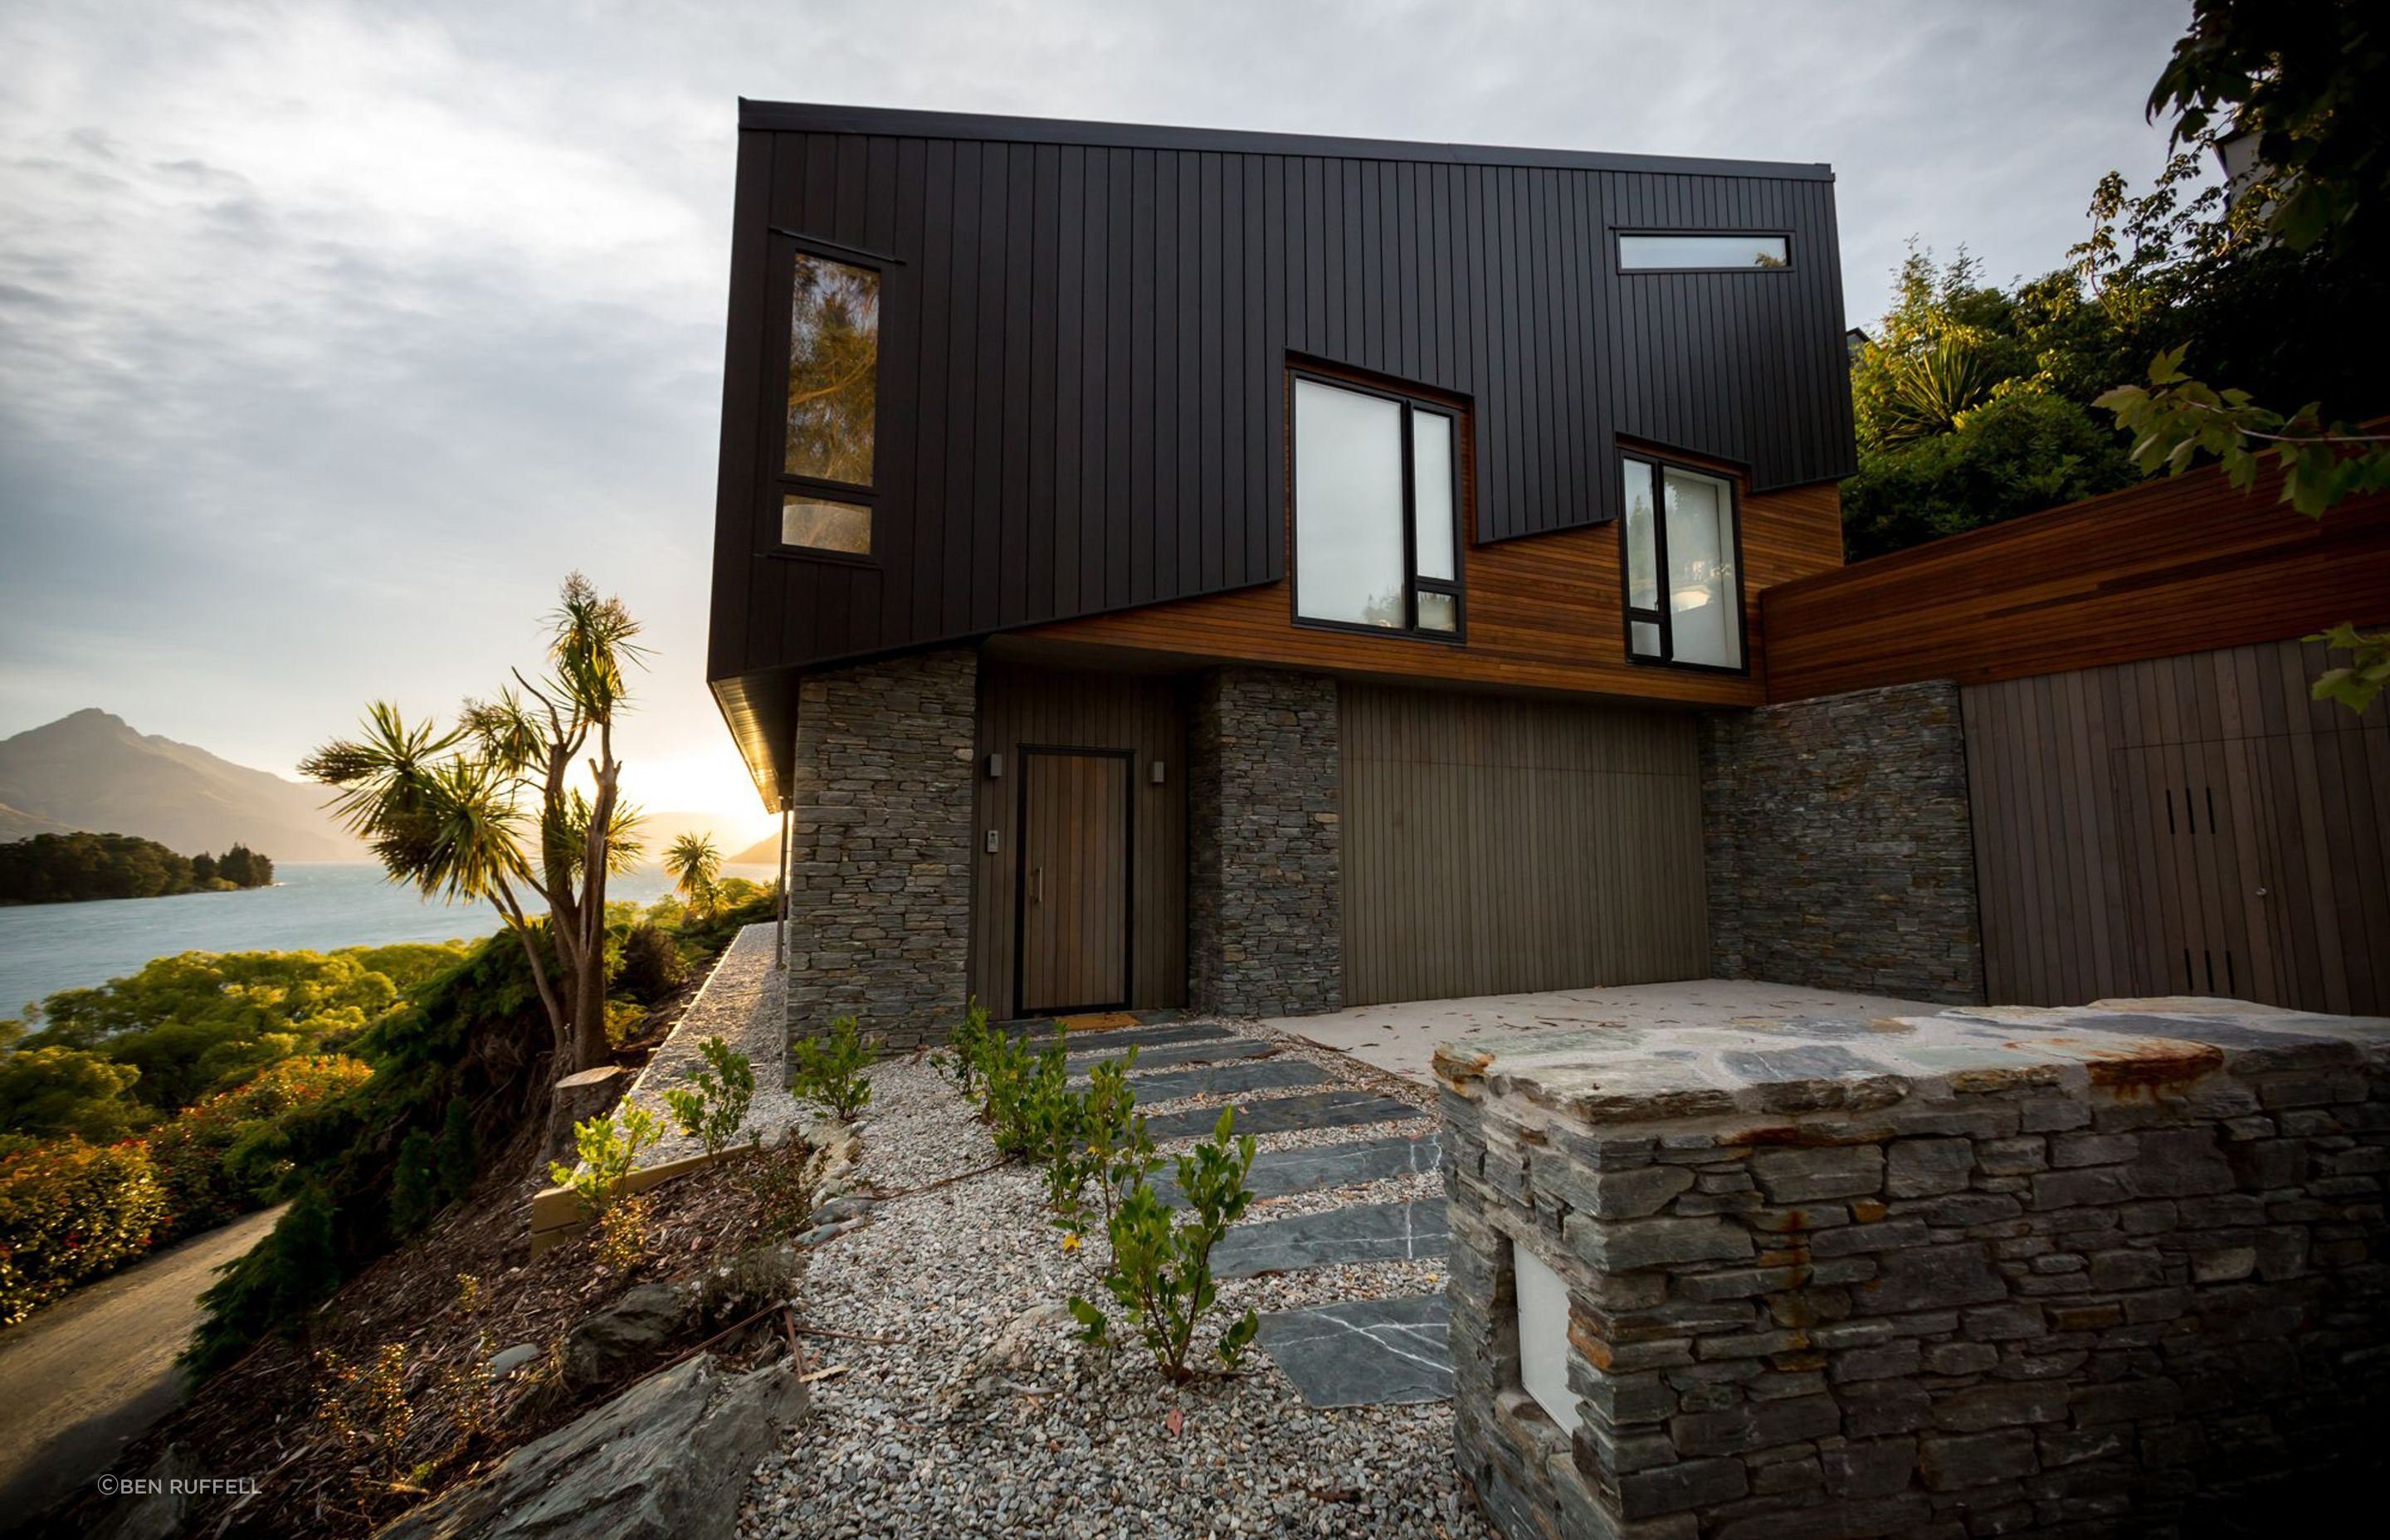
column 740, row 1003
column 946, row 1430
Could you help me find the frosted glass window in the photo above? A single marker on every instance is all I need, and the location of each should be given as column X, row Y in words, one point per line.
column 1543, row 1337
column 1702, row 597
column 1438, row 611
column 1661, row 254
column 818, row 524
column 1432, row 521
column 1348, row 507
column 1642, row 556
column 1645, row 635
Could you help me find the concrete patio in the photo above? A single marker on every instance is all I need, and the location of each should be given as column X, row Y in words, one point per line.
column 1403, row 1038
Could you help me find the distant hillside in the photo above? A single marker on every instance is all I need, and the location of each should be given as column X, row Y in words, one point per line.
column 763, row 853
column 90, row 771
column 657, row 830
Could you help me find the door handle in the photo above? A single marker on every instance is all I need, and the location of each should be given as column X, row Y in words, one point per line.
column 1037, row 884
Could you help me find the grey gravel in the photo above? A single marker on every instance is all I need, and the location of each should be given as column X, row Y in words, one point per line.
column 740, row 1003
column 985, row 1416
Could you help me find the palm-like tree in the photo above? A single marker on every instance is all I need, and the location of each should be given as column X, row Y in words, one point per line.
column 446, row 811
column 696, row 870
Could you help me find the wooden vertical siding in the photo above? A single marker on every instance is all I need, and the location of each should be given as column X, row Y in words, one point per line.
column 1495, row 845
column 1142, row 714
column 2101, row 861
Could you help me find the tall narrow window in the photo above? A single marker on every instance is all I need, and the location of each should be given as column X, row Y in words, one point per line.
column 831, row 435
column 1377, row 510
column 1684, row 595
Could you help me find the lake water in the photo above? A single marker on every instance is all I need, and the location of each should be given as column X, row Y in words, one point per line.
column 312, row 906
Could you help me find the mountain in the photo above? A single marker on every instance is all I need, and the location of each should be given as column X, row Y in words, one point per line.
column 763, row 853
column 657, row 830
column 90, row 771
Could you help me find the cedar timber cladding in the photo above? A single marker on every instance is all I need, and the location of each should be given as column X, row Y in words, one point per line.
column 1084, row 330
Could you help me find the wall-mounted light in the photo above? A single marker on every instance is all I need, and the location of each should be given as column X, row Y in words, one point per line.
column 996, row 767
column 1157, row 772
column 1544, row 1347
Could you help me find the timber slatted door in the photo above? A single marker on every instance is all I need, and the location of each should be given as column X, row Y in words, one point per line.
column 1496, row 846
column 2199, row 866
column 1075, row 881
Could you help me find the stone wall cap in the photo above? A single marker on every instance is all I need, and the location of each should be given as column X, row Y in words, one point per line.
column 1809, row 1063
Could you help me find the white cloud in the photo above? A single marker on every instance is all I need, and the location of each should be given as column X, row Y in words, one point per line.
column 335, row 333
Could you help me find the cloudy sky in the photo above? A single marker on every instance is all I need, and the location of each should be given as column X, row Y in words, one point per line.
column 332, row 335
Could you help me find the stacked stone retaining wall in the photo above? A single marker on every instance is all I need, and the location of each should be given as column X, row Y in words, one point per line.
column 2053, row 1272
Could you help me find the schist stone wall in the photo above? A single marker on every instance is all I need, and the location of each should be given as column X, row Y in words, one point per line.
column 1837, row 846
column 1265, row 931
column 2076, row 1272
column 879, row 897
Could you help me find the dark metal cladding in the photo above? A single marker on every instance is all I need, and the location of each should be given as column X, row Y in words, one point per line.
column 1085, row 326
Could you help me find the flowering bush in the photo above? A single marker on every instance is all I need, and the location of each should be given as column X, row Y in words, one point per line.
column 211, row 1157
column 69, row 1212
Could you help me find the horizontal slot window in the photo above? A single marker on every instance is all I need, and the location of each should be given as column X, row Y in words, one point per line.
column 1703, row 253
column 819, row 524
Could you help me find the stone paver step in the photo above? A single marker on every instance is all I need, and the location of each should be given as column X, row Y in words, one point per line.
column 1168, row 1054
column 1364, row 1353
column 1365, row 1232
column 1116, row 1038
column 1278, row 1173
column 1337, row 1109
column 1226, row 1080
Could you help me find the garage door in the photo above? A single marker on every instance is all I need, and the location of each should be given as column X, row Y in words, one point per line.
column 1493, row 846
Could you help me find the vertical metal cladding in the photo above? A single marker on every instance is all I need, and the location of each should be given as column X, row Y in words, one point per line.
column 1084, row 329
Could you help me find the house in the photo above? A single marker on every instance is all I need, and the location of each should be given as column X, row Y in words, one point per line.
column 1260, row 573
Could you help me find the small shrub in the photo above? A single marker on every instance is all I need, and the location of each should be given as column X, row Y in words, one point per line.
column 652, row 965
column 1107, row 1146
column 714, row 1103
column 466, row 1385
column 1161, row 1271
column 68, row 1212
column 364, row 1405
column 608, row 1155
column 783, row 1183
column 624, row 1022
column 623, row 1234
column 959, row 1064
column 830, row 1069
column 468, row 1294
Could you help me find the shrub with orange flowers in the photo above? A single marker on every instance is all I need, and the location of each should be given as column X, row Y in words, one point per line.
column 218, row 1157
column 69, row 1212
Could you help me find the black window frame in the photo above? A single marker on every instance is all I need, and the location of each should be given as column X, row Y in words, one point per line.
column 1618, row 250
column 1664, row 617
column 1414, row 584
column 786, row 482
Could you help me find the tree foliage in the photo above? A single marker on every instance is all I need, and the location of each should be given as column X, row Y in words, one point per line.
column 490, row 808
column 75, row 868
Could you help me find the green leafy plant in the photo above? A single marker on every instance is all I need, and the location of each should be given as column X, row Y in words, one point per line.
column 415, row 1187
column 959, row 1064
column 1027, row 1097
column 714, row 1104
column 1109, row 1148
column 1161, row 1271
column 608, row 1155
column 623, row 1234
column 458, row 1153
column 830, row 1069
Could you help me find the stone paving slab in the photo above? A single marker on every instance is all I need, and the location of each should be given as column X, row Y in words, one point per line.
column 1226, row 1080
column 1117, row 1038
column 1278, row 1173
column 1172, row 1054
column 1341, row 1109
column 1366, row 1232
column 1364, row 1353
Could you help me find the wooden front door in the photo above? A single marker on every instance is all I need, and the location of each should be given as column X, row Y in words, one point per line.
column 1075, row 881
column 2198, row 870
